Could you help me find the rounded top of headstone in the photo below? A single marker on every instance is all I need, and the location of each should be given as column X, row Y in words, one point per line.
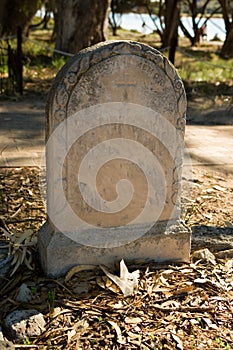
column 157, row 68
column 92, row 55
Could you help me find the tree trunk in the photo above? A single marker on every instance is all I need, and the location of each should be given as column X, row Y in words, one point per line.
column 173, row 46
column 170, row 34
column 16, row 13
column 81, row 24
column 2, row 15
column 227, row 49
column 112, row 21
column 227, row 11
column 199, row 14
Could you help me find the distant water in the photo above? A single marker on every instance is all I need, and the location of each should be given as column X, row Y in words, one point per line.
column 215, row 26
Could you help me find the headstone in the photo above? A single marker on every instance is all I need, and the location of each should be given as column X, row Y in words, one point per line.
column 115, row 132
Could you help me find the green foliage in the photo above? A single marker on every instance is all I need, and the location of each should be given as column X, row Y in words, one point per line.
column 26, row 341
column 201, row 65
column 51, row 295
column 222, row 344
column 159, row 347
column 200, row 68
column 215, row 38
column 51, row 298
column 36, row 47
column 58, row 62
column 39, row 59
column 33, row 290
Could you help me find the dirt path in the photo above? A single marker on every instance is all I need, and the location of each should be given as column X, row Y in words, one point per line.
column 23, row 133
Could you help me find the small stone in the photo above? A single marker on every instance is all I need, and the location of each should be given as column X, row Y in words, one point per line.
column 1, row 335
column 6, row 345
column 24, row 323
column 5, row 266
column 204, row 254
column 24, row 294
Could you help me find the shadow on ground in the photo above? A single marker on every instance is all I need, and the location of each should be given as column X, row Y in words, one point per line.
column 216, row 117
column 212, row 237
column 209, row 103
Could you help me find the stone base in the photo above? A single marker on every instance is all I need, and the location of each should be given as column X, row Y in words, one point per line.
column 58, row 253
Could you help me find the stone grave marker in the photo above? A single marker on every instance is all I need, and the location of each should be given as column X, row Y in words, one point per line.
column 115, row 134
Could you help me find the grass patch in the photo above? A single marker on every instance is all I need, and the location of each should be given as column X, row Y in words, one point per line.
column 200, row 66
column 206, row 71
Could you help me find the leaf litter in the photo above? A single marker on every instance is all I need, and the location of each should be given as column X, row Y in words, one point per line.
column 175, row 306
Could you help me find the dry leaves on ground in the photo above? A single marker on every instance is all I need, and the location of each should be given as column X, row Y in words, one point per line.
column 187, row 306
column 210, row 200
column 21, row 204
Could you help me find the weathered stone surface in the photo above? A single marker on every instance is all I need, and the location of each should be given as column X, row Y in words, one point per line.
column 24, row 294
column 64, row 251
column 5, row 262
column 1, row 335
column 6, row 345
column 115, row 128
column 205, row 255
column 24, row 323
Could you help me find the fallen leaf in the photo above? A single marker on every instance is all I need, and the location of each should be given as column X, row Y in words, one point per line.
column 81, row 326
column 127, row 282
column 133, row 335
column 70, row 335
column 120, row 339
column 164, row 281
column 118, row 305
column 228, row 224
column 77, row 269
column 201, row 280
column 204, row 254
column 209, row 323
column 100, row 282
column 219, row 188
column 178, row 341
column 133, row 320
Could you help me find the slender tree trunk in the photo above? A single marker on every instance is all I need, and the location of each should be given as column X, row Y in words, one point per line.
column 112, row 21
column 2, row 14
column 173, row 46
column 227, row 49
column 227, row 11
column 170, row 34
column 81, row 23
